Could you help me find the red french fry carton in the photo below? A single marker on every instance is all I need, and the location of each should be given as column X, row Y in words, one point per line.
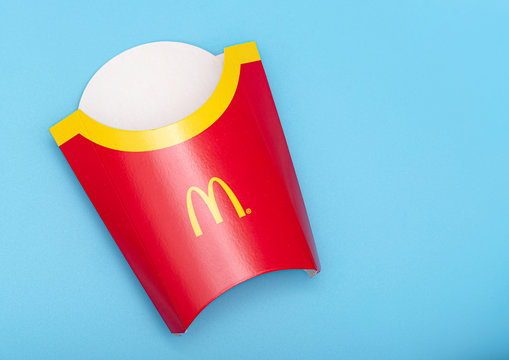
column 203, row 204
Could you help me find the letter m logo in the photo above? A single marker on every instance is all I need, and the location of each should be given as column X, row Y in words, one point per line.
column 210, row 200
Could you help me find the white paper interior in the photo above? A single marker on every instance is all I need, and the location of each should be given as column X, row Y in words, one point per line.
column 151, row 85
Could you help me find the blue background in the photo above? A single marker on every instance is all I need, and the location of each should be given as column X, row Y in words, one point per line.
column 396, row 114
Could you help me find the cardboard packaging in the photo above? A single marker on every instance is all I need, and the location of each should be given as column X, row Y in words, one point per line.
column 203, row 204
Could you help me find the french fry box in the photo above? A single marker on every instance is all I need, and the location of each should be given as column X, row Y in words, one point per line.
column 202, row 204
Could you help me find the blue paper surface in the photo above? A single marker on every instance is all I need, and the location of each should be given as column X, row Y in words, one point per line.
column 397, row 118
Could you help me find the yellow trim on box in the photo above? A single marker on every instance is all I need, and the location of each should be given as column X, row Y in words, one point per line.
column 192, row 125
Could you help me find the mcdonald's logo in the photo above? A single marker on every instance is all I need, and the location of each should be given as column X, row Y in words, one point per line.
column 210, row 200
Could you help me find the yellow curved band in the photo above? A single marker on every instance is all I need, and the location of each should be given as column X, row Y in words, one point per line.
column 127, row 140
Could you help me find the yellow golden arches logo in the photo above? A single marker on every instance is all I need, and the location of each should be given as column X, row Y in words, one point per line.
column 210, row 200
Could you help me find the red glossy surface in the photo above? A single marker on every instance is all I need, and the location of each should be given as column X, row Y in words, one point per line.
column 141, row 197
